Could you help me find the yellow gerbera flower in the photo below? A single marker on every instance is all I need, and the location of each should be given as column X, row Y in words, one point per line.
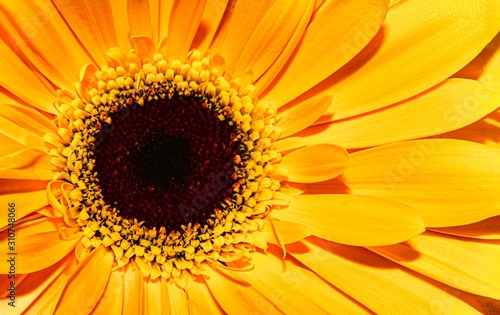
column 249, row 156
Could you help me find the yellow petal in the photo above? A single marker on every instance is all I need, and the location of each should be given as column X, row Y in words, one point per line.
column 451, row 105
column 379, row 284
column 153, row 297
column 111, row 301
column 133, row 290
column 139, row 18
column 316, row 163
column 422, row 43
column 450, row 182
column 289, row 232
column 210, row 20
column 268, row 279
column 353, row 220
column 178, row 299
column 38, row 244
column 120, row 18
column 270, row 36
column 26, row 164
column 92, row 23
column 184, row 20
column 89, row 282
column 298, row 117
column 46, row 40
column 436, row 256
column 200, row 300
column 27, row 195
column 292, row 143
column 28, row 118
column 30, row 287
column 486, row 229
column 23, row 81
column 9, row 145
column 236, row 297
column 336, row 34
column 144, row 47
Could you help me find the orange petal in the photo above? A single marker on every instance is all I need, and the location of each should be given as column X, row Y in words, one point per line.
column 9, row 145
column 133, row 290
column 184, row 20
column 436, row 256
column 237, row 298
column 298, row 117
column 92, row 23
column 378, row 283
column 487, row 229
column 200, row 300
column 26, row 164
column 353, row 220
column 111, row 301
column 421, row 44
column 452, row 105
column 178, row 299
column 87, row 284
column 46, row 40
column 23, row 81
column 210, row 20
column 28, row 118
column 284, row 232
column 450, row 182
column 139, row 18
column 292, row 143
column 270, row 36
column 336, row 34
column 316, row 163
column 120, row 19
column 153, row 297
column 39, row 244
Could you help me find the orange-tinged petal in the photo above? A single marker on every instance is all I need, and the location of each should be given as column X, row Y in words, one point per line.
column 200, row 300
column 26, row 164
column 450, row 182
column 316, row 163
column 486, row 229
column 88, row 281
column 210, row 20
column 353, row 220
column 184, row 20
column 92, row 23
column 30, row 287
column 23, row 81
column 139, row 18
column 284, row 232
column 120, row 18
column 421, row 44
column 451, row 105
column 298, row 117
column 153, row 297
column 268, row 279
column 337, row 33
column 27, row 195
column 244, row 298
column 144, row 47
column 436, row 256
column 42, row 35
column 133, row 290
column 28, row 118
column 178, row 299
column 21, row 135
column 111, row 301
column 39, row 244
column 292, row 143
column 270, row 36
column 378, row 283
column 9, row 145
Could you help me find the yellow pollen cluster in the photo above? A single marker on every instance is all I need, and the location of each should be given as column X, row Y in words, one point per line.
column 227, row 234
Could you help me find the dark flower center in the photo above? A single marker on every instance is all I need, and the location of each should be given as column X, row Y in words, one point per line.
column 167, row 163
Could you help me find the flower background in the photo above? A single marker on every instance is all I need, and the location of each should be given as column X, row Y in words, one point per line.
column 368, row 76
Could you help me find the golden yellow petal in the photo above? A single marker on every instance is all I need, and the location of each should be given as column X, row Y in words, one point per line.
column 178, row 299
column 92, row 23
column 26, row 164
column 451, row 105
column 86, row 286
column 111, row 301
column 27, row 195
column 450, row 182
column 284, row 232
column 120, row 19
column 291, row 143
column 336, row 34
column 38, row 244
column 379, row 284
column 153, row 297
column 300, row 116
column 210, row 20
column 236, row 297
column 316, row 163
column 133, row 290
column 200, row 300
column 9, row 145
column 467, row 265
column 485, row 229
column 139, row 18
column 184, row 20
column 353, row 220
column 46, row 41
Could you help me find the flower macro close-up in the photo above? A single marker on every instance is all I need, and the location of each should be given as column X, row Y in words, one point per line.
column 243, row 156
